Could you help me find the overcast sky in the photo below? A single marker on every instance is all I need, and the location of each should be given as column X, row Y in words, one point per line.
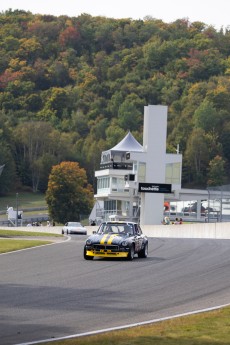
column 211, row 12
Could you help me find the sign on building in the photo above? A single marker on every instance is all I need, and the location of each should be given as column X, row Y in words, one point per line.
column 154, row 188
column 117, row 165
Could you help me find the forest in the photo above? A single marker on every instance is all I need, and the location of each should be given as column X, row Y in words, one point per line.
column 71, row 87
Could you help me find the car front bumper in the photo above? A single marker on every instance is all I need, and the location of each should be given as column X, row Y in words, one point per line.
column 76, row 232
column 107, row 253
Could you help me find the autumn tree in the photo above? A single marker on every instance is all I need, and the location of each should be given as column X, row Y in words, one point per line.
column 68, row 195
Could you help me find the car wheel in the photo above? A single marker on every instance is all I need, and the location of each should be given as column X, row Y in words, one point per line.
column 131, row 253
column 67, row 232
column 62, row 232
column 87, row 257
column 143, row 252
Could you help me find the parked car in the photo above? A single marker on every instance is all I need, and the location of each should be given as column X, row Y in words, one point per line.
column 117, row 240
column 74, row 228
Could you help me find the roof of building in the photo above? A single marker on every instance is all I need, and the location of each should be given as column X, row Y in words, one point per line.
column 129, row 143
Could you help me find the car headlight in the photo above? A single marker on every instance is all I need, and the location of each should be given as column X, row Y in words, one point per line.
column 88, row 242
column 124, row 243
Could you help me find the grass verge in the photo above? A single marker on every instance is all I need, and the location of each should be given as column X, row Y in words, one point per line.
column 10, row 245
column 211, row 328
column 16, row 233
column 9, row 241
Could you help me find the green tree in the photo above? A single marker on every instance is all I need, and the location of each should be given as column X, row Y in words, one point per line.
column 216, row 172
column 57, row 101
column 31, row 142
column 206, row 116
column 225, row 139
column 68, row 195
column 197, row 154
column 129, row 116
column 202, row 64
column 8, row 175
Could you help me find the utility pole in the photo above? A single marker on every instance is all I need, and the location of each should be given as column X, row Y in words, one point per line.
column 16, row 221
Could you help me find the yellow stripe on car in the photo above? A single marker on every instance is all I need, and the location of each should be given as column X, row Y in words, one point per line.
column 104, row 239
column 107, row 239
column 110, row 240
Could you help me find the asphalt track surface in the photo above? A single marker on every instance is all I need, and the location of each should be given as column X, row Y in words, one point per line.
column 51, row 291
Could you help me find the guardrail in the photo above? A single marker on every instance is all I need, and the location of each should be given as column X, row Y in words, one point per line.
column 25, row 221
column 30, row 209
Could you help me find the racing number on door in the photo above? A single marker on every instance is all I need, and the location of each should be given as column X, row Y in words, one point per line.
column 138, row 239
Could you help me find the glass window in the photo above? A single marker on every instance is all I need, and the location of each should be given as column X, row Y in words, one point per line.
column 110, row 205
column 102, row 184
column 118, row 184
column 173, row 173
column 141, row 172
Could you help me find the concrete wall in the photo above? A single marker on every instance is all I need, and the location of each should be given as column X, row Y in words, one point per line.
column 48, row 229
column 198, row 230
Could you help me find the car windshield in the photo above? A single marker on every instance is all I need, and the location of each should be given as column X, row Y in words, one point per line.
column 116, row 228
column 74, row 224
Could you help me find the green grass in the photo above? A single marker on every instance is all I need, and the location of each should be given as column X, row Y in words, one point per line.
column 211, row 328
column 24, row 199
column 16, row 233
column 13, row 244
column 27, row 201
column 9, row 245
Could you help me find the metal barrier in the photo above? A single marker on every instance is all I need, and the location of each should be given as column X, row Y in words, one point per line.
column 26, row 221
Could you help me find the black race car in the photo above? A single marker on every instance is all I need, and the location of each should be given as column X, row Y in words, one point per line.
column 117, row 240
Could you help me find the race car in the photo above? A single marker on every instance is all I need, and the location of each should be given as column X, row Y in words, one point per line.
column 74, row 228
column 117, row 240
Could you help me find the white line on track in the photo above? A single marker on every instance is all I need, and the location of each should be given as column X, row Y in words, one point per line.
column 125, row 326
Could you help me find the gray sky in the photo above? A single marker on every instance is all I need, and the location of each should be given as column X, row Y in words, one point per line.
column 211, row 12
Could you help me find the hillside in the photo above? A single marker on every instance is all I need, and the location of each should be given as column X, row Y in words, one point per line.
column 71, row 87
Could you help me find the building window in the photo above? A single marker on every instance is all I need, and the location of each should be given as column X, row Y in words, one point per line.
column 118, row 184
column 110, row 206
column 141, row 172
column 173, row 173
column 103, row 184
column 105, row 157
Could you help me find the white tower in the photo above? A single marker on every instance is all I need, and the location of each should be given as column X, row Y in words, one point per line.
column 154, row 144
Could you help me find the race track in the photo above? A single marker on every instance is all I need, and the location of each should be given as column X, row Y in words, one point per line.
column 51, row 291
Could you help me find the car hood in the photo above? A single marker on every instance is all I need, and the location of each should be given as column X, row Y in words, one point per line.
column 107, row 238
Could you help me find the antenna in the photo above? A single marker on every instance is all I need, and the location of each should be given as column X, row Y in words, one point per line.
column 178, row 149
